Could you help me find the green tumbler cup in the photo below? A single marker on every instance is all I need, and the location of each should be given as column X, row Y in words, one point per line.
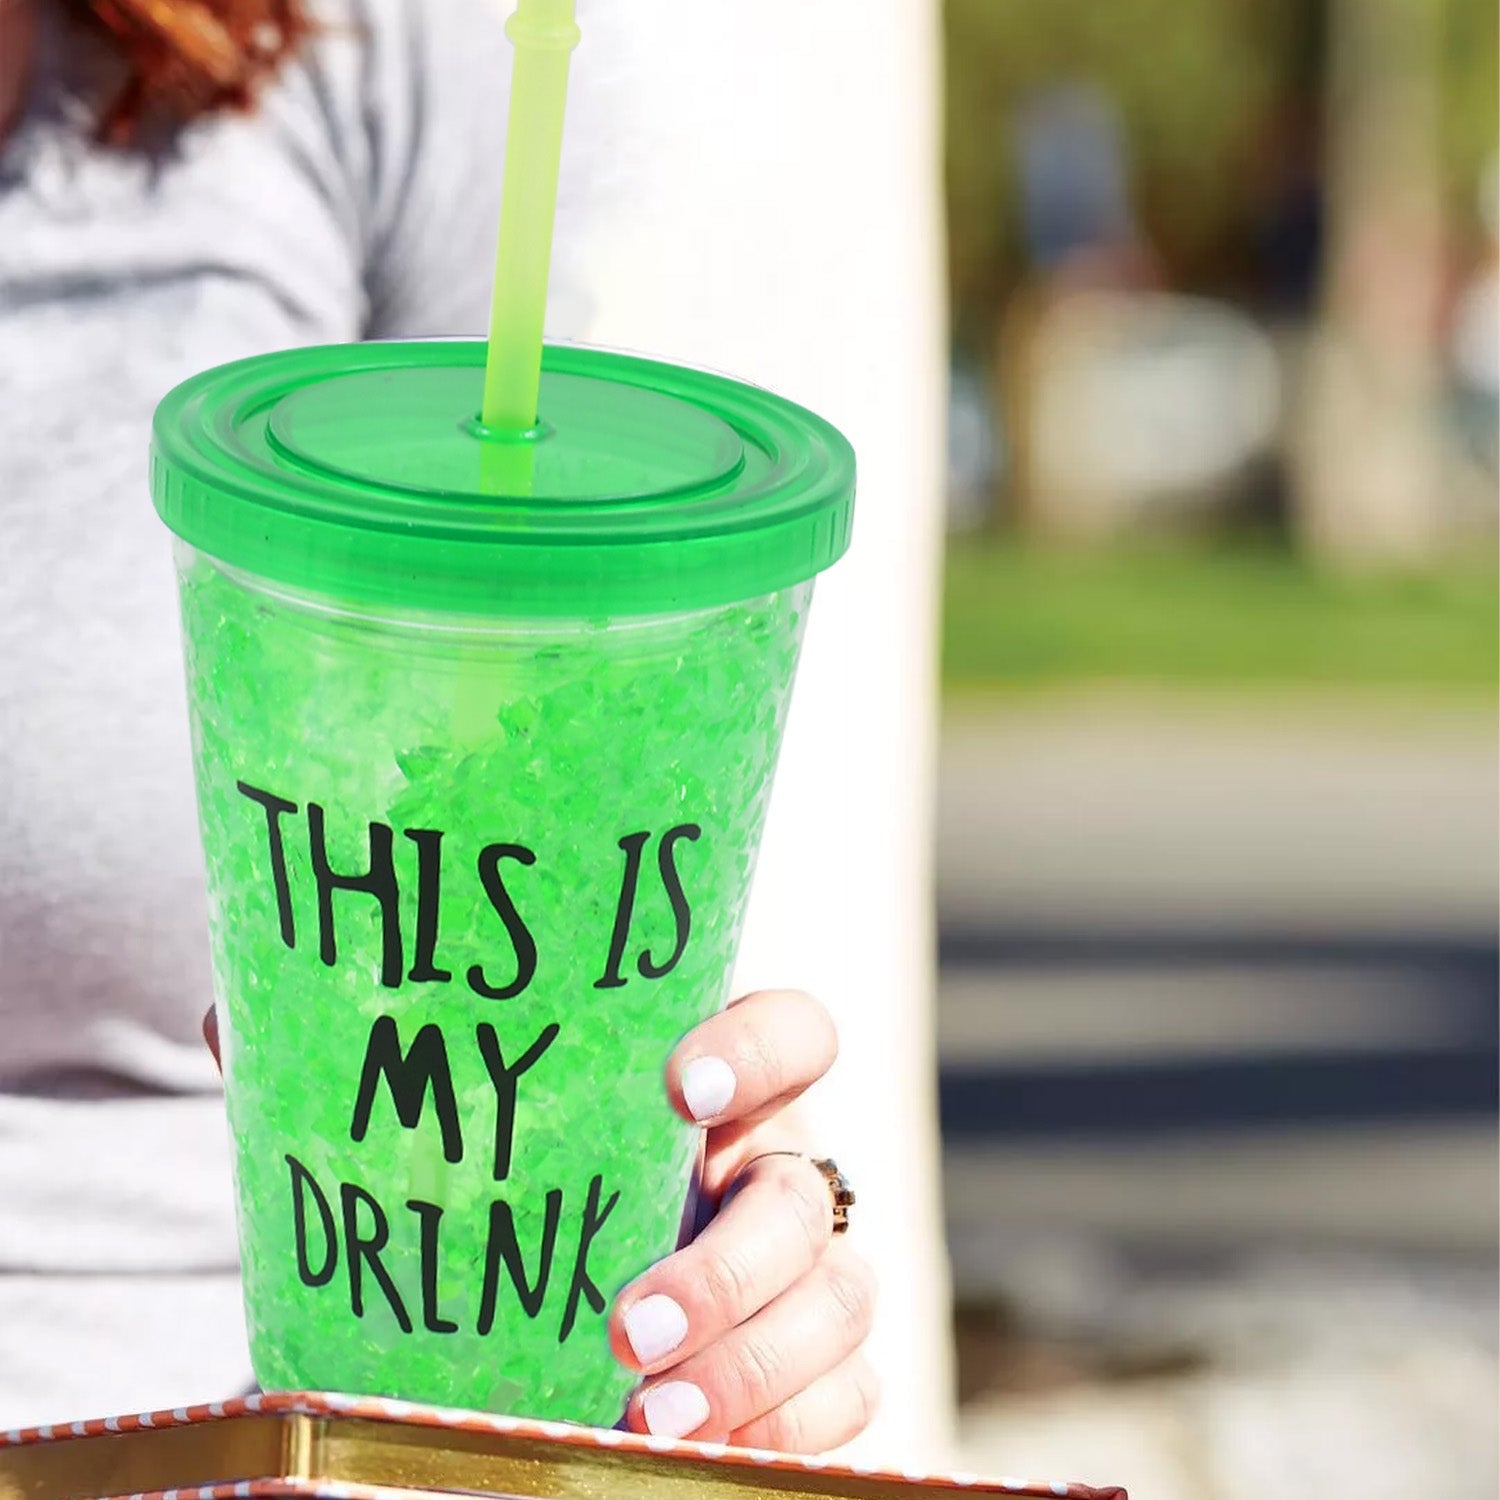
column 484, row 731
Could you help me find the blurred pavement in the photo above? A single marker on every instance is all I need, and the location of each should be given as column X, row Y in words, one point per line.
column 1218, row 970
column 1217, row 1029
column 1305, row 813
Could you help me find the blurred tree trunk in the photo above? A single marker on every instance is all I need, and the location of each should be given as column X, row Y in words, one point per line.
column 1015, row 506
column 1367, row 453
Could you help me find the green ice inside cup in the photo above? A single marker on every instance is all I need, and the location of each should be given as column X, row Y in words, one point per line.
column 383, row 1264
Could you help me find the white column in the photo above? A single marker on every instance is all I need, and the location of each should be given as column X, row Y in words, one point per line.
column 770, row 207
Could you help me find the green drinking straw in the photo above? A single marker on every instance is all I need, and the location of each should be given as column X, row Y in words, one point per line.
column 544, row 34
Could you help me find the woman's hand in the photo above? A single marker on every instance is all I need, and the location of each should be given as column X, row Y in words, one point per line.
column 751, row 1334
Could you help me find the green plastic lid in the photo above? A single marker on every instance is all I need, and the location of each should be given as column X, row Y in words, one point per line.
column 360, row 472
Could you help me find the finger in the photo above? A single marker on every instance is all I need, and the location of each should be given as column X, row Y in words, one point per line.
column 836, row 1407
column 730, row 1151
column 752, row 1057
column 765, row 1362
column 211, row 1035
column 764, row 1240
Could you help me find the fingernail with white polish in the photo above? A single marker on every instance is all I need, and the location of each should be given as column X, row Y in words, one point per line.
column 674, row 1408
column 707, row 1087
column 655, row 1326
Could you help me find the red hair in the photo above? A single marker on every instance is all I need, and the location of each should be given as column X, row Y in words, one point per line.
column 193, row 57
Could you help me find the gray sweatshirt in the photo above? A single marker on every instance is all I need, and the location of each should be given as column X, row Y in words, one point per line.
column 359, row 202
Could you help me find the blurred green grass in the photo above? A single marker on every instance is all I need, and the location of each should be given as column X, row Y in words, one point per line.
column 1252, row 617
